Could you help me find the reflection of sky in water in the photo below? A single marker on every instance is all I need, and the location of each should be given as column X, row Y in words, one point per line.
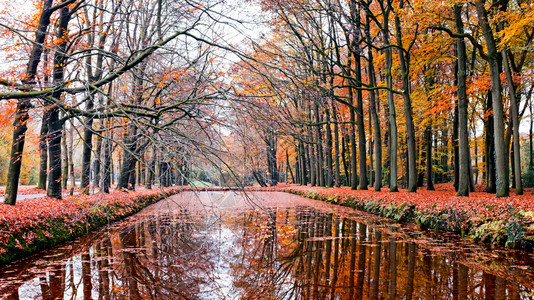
column 222, row 270
column 299, row 250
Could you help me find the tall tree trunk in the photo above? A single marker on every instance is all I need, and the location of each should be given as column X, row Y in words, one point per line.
column 328, row 150
column 464, row 160
column 498, row 112
column 455, row 148
column 337, row 175
column 313, row 170
column 404, row 60
column 23, row 106
column 489, row 147
column 393, row 138
column 374, row 115
column 515, row 121
column 352, row 137
column 319, row 140
column 55, row 127
column 356, row 53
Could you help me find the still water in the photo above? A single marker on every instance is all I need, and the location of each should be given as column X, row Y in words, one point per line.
column 226, row 245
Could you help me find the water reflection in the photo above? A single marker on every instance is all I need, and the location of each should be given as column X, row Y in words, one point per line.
column 277, row 253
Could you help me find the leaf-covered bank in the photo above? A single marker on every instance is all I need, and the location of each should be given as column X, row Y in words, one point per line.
column 508, row 222
column 37, row 224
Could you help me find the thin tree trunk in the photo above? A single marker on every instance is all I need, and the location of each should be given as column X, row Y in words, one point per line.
column 302, row 164
column 107, row 168
column 43, row 152
column 65, row 160
column 96, row 161
column 515, row 121
column 346, row 163
column 319, row 140
column 288, row 166
column 328, row 151
column 352, row 137
column 476, row 156
column 313, row 170
column 337, row 175
column 71, row 155
column 428, row 139
column 151, row 170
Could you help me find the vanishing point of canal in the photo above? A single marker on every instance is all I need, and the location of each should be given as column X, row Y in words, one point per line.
column 266, row 245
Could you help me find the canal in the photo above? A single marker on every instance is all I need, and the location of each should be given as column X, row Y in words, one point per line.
column 267, row 245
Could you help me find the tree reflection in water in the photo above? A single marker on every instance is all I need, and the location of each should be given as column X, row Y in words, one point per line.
column 277, row 253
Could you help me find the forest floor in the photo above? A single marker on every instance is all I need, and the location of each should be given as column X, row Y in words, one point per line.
column 41, row 222
column 482, row 216
column 33, row 190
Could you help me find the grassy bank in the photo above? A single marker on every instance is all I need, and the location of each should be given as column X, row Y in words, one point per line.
column 504, row 221
column 37, row 224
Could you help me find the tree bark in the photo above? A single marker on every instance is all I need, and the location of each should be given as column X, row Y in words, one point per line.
column 23, row 106
column 374, row 115
column 96, row 160
column 43, row 153
column 404, row 60
column 337, row 175
column 489, row 147
column 393, row 142
column 64, row 160
column 428, row 139
column 302, row 163
column 530, row 132
column 107, row 169
column 356, row 53
column 352, row 137
column 328, row 151
column 71, row 155
column 55, row 127
column 498, row 112
column 515, row 121
column 464, row 160
column 319, row 147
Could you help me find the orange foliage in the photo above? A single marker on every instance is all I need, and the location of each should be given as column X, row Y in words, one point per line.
column 73, row 213
column 480, row 204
